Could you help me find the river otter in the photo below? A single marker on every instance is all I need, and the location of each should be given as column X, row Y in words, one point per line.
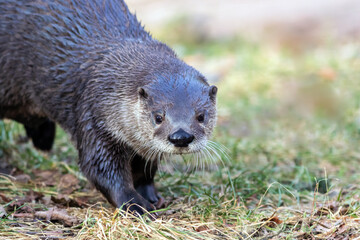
column 125, row 98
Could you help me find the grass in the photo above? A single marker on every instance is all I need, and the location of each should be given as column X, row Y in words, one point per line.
column 291, row 124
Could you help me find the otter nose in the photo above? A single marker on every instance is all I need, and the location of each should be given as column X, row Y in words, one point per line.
column 181, row 138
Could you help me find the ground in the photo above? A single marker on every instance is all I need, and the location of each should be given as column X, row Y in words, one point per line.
column 286, row 167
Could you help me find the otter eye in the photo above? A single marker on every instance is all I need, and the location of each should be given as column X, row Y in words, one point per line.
column 201, row 118
column 158, row 119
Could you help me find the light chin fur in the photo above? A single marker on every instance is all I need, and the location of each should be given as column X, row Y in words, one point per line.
column 169, row 148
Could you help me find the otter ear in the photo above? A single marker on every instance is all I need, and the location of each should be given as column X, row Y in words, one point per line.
column 142, row 92
column 212, row 92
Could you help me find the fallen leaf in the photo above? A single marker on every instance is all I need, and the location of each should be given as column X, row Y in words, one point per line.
column 4, row 198
column 202, row 228
column 81, row 202
column 47, row 178
column 33, row 196
column 19, row 205
column 272, row 221
column 23, row 215
column 68, row 184
column 333, row 208
column 66, row 201
column 54, row 214
column 46, row 200
column 22, row 178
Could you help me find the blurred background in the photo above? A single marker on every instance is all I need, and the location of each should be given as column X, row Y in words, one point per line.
column 288, row 74
column 277, row 20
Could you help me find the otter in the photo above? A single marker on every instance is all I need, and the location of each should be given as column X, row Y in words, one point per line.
column 126, row 99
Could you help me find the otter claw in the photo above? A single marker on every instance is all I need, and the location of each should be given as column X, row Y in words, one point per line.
column 160, row 203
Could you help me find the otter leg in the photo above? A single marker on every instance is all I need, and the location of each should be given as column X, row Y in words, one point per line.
column 42, row 135
column 106, row 164
column 143, row 175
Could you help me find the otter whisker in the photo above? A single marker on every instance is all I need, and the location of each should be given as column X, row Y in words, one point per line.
column 198, row 159
column 211, row 149
column 203, row 155
column 204, row 161
column 157, row 158
column 222, row 149
column 132, row 156
column 218, row 153
column 149, row 157
column 187, row 164
column 209, row 156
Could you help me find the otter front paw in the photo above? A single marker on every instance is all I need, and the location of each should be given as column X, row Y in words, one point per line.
column 133, row 202
column 149, row 192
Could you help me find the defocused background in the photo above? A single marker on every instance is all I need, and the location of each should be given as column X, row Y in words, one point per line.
column 280, row 21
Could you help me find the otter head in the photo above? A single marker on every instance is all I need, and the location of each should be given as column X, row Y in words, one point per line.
column 178, row 112
column 153, row 102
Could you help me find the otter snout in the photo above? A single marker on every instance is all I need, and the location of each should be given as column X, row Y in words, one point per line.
column 181, row 138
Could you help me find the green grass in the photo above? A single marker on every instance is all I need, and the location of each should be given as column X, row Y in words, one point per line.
column 291, row 124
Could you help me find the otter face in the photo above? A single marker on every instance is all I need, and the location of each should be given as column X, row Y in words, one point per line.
column 181, row 113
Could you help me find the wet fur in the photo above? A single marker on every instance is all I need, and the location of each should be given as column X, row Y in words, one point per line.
column 80, row 64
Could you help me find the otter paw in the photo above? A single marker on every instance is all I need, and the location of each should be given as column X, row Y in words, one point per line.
column 135, row 203
column 149, row 193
